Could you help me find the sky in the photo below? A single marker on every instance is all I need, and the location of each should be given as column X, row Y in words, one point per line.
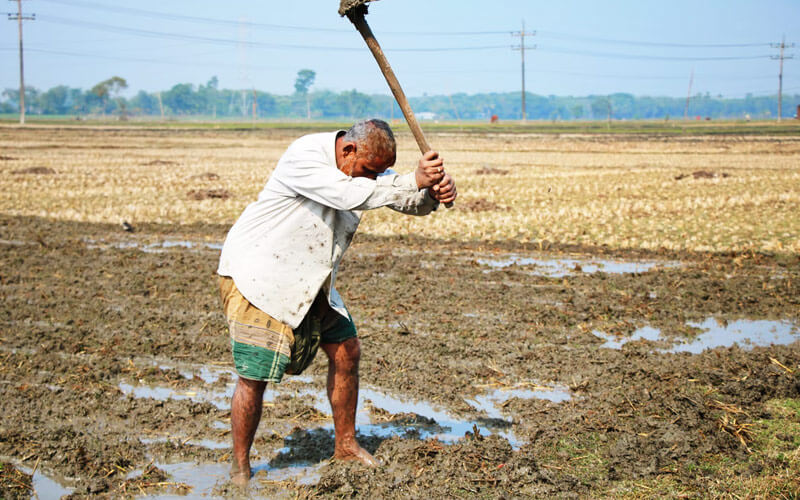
column 436, row 47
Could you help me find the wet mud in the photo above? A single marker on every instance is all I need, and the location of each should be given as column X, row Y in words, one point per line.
column 14, row 483
column 480, row 379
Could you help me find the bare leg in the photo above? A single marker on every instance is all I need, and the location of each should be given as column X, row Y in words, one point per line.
column 343, row 395
column 245, row 416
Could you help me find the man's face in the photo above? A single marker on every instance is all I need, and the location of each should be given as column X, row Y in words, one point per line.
column 361, row 166
column 358, row 162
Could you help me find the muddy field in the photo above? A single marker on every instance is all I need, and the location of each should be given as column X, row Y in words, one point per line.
column 490, row 369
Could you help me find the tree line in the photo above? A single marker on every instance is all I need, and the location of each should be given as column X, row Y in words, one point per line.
column 208, row 101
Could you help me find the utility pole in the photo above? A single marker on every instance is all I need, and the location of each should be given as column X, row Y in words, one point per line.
column 160, row 105
column 781, row 57
column 522, row 34
column 688, row 96
column 255, row 106
column 19, row 18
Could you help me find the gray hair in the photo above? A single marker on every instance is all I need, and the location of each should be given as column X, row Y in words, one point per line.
column 374, row 136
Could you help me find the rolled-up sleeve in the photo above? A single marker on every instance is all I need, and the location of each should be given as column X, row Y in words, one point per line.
column 416, row 201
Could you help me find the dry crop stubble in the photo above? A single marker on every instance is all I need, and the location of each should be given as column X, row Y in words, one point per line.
column 630, row 191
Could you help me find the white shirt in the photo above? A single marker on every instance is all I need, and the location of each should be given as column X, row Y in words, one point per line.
column 287, row 245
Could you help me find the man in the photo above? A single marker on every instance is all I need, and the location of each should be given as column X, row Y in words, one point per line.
column 279, row 262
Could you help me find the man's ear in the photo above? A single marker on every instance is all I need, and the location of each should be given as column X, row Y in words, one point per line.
column 349, row 148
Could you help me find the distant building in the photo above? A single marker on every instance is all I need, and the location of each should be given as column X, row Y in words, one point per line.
column 426, row 115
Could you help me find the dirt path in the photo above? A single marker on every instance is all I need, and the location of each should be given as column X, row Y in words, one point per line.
column 105, row 334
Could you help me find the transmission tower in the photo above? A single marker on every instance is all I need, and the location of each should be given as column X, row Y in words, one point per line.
column 19, row 18
column 781, row 57
column 522, row 34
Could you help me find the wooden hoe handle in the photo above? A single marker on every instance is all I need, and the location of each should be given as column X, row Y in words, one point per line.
column 361, row 25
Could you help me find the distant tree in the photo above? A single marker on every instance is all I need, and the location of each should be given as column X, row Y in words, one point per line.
column 55, row 101
column 210, row 97
column 144, row 104
column 601, row 108
column 108, row 89
column 355, row 103
column 31, row 99
column 305, row 79
column 12, row 99
column 181, row 99
column 623, row 105
column 265, row 104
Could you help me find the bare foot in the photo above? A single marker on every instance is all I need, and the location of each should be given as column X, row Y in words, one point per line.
column 240, row 476
column 356, row 452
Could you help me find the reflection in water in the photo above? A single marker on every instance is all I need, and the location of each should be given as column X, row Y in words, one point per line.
column 557, row 268
column 615, row 342
column 744, row 333
column 159, row 247
column 444, row 425
column 44, row 486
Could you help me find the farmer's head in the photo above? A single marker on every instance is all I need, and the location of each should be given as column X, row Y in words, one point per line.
column 366, row 150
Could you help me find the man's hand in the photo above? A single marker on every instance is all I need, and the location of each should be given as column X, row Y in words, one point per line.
column 430, row 171
column 445, row 191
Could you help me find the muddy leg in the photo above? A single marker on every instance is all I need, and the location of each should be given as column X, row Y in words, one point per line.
column 245, row 415
column 343, row 395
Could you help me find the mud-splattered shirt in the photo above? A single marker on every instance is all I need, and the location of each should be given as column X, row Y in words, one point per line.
column 287, row 245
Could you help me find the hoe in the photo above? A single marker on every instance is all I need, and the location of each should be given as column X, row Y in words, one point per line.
column 355, row 10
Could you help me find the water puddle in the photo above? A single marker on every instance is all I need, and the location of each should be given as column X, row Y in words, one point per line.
column 220, row 399
column 16, row 243
column 615, row 342
column 447, row 427
column 379, row 415
column 435, row 422
column 714, row 333
column 560, row 267
column 746, row 333
column 203, row 478
column 159, row 247
column 203, row 443
column 492, row 401
column 43, row 485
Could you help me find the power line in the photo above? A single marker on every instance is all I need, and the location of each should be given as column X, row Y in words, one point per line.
column 229, row 41
column 613, row 55
column 226, row 22
column 640, row 43
column 236, row 23
column 171, row 62
column 216, row 40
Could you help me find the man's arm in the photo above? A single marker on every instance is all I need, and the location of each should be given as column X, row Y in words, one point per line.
column 305, row 172
column 443, row 192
